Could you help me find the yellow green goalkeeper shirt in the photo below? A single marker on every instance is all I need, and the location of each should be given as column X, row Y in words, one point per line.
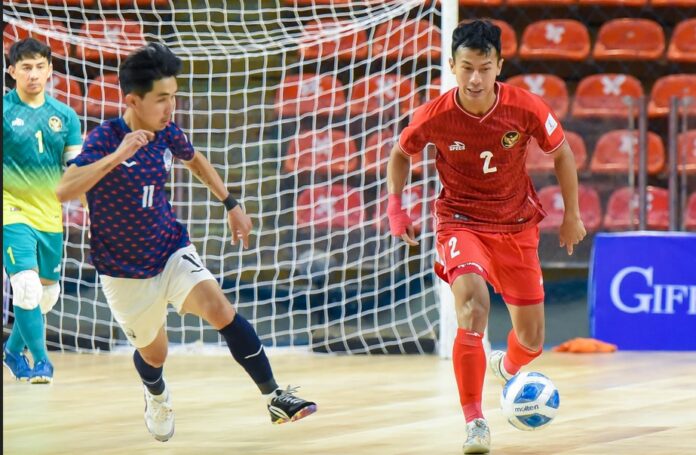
column 34, row 143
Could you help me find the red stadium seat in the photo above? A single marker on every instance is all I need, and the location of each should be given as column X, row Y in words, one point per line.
column 401, row 39
column 378, row 147
column 110, row 39
column 323, row 152
column 551, row 88
column 433, row 89
column 329, row 206
column 508, row 39
column 679, row 85
column 682, row 46
column 555, row 39
column 413, row 200
column 538, row 161
column 381, row 94
column 480, row 2
column 15, row 32
column 612, row 151
column 128, row 3
column 690, row 215
column 630, row 39
column 678, row 3
column 541, row 2
column 613, row 2
column 66, row 91
column 310, row 94
column 552, row 201
column 317, row 2
column 687, row 151
column 340, row 39
column 104, row 98
column 84, row 3
column 622, row 209
column 602, row 95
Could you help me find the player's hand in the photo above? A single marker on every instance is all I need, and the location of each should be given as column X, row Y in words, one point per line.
column 240, row 225
column 132, row 142
column 399, row 222
column 572, row 231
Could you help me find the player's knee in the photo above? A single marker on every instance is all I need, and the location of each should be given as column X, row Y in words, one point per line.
column 26, row 289
column 155, row 359
column 49, row 298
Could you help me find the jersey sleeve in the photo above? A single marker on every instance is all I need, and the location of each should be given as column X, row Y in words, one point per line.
column 93, row 149
column 414, row 137
column 546, row 128
column 73, row 136
column 179, row 143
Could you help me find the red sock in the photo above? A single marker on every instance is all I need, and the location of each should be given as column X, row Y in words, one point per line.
column 517, row 355
column 469, row 361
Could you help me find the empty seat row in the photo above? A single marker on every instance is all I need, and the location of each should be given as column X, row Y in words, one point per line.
column 98, row 41
column 103, row 100
column 598, row 95
column 604, row 95
column 613, row 150
column 332, row 152
column 552, row 39
column 94, row 3
column 340, row 206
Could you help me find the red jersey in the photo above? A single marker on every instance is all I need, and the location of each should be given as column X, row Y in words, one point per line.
column 481, row 159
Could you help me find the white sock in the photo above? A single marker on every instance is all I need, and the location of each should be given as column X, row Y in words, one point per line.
column 272, row 395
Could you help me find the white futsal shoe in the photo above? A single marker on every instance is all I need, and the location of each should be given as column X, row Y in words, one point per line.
column 497, row 367
column 478, row 437
column 159, row 415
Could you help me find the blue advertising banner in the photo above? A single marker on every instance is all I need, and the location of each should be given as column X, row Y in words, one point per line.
column 642, row 290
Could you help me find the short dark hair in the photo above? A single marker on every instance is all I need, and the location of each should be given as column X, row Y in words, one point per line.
column 139, row 71
column 28, row 48
column 480, row 34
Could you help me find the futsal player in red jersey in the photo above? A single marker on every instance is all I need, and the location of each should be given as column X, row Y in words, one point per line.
column 487, row 212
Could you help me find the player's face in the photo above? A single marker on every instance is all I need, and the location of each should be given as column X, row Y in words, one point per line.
column 476, row 73
column 155, row 109
column 31, row 74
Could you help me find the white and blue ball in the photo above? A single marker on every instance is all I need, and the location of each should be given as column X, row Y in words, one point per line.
column 529, row 401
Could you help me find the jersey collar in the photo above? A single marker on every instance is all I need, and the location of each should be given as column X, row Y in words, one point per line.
column 483, row 117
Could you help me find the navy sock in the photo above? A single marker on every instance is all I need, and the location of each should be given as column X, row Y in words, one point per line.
column 151, row 376
column 247, row 350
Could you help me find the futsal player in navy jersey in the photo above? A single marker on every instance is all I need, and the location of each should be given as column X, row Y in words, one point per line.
column 143, row 254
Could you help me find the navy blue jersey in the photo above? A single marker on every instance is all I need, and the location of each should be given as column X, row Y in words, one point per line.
column 133, row 227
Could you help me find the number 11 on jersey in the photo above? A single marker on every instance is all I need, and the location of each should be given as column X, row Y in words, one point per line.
column 148, row 192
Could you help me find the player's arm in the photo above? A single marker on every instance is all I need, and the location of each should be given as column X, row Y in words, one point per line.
column 572, row 230
column 239, row 222
column 77, row 180
column 398, row 169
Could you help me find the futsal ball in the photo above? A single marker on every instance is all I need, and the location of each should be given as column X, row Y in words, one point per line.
column 529, row 401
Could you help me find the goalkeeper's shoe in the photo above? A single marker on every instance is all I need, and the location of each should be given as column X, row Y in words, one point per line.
column 42, row 373
column 159, row 415
column 17, row 364
column 285, row 407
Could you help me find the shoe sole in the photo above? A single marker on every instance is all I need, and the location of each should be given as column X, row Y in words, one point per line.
column 476, row 448
column 41, row 380
column 164, row 438
column 301, row 414
column 13, row 375
column 498, row 376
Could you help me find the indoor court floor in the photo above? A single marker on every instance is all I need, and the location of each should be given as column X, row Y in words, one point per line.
column 618, row 404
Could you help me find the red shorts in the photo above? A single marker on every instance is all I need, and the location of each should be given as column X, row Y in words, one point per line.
column 508, row 261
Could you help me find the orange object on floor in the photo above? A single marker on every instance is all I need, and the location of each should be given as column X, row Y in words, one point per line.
column 584, row 345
